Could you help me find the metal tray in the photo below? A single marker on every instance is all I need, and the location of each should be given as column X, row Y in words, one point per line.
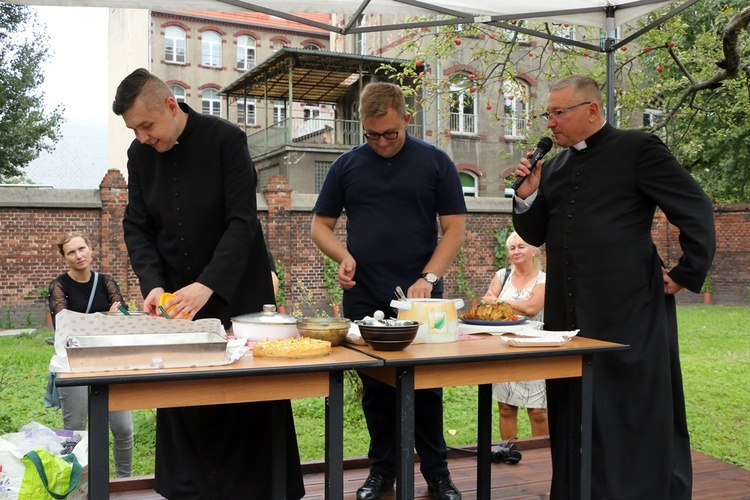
column 144, row 350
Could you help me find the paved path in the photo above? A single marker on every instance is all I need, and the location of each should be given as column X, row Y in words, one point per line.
column 15, row 333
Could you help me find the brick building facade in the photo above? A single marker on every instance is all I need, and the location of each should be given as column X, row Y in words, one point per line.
column 32, row 219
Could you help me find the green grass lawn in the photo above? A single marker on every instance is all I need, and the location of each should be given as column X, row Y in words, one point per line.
column 715, row 352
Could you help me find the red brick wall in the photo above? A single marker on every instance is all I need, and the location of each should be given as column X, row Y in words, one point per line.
column 29, row 259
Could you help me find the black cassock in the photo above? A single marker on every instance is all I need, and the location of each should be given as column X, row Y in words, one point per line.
column 192, row 216
column 594, row 212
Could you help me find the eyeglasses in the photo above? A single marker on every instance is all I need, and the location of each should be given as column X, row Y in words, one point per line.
column 558, row 113
column 388, row 136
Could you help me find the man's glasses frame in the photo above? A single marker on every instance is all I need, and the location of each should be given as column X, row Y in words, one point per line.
column 558, row 113
column 374, row 136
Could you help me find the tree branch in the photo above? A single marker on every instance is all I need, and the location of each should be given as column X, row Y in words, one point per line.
column 731, row 69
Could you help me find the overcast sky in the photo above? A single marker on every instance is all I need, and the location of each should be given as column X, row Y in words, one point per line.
column 76, row 77
column 76, row 73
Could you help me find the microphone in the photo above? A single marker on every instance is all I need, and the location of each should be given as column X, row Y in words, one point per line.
column 541, row 149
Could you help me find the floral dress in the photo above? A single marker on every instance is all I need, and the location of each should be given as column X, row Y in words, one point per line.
column 525, row 393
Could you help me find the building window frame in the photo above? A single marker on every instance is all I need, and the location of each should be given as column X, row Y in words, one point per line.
column 211, row 102
column 279, row 112
column 174, row 44
column 469, row 184
column 246, row 112
column 463, row 105
column 246, row 52
column 179, row 92
column 211, row 49
column 516, row 108
column 321, row 170
column 651, row 116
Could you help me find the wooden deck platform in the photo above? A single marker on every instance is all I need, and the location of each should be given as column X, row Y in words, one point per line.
column 529, row 479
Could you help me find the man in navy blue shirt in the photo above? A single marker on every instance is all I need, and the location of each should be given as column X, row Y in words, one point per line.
column 399, row 193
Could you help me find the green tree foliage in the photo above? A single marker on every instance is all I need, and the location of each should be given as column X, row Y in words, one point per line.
column 699, row 78
column 692, row 73
column 25, row 129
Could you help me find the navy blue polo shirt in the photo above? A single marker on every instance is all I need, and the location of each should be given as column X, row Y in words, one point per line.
column 391, row 206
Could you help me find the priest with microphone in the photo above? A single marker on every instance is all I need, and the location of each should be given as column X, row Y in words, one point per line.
column 592, row 205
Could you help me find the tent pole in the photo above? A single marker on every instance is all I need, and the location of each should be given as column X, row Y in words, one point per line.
column 609, row 51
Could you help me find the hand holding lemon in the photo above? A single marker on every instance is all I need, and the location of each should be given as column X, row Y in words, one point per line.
column 164, row 298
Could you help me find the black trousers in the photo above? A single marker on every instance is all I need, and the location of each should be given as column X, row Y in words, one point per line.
column 379, row 406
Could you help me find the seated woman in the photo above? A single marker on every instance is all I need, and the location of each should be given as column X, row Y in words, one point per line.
column 84, row 291
column 521, row 285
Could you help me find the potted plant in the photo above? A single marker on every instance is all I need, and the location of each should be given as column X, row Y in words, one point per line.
column 707, row 288
column 334, row 292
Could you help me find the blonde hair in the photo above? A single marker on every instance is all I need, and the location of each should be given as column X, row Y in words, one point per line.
column 66, row 237
column 378, row 97
column 536, row 251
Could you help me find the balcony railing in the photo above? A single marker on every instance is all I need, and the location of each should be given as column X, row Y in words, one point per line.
column 319, row 130
column 463, row 123
column 515, row 126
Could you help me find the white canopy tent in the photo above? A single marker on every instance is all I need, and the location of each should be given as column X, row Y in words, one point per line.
column 604, row 14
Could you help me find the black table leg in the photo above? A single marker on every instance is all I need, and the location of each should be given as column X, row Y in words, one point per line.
column 587, row 392
column 98, row 442
column 278, row 451
column 484, row 441
column 334, row 440
column 405, row 433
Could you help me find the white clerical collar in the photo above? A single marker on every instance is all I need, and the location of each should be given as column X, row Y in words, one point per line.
column 582, row 145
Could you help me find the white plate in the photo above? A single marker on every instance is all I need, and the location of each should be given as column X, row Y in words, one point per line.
column 537, row 333
column 546, row 341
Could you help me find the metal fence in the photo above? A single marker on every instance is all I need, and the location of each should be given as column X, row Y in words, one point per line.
column 317, row 130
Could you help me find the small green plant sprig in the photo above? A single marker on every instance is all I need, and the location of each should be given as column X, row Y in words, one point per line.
column 500, row 251
column 309, row 301
column 462, row 276
column 334, row 292
column 281, row 274
column 42, row 291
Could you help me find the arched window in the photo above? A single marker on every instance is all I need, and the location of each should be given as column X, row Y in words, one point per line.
column 179, row 92
column 174, row 44
column 516, row 108
column 246, row 112
column 311, row 46
column 211, row 104
column 278, row 45
column 211, row 49
column 469, row 183
column 246, row 52
column 463, row 102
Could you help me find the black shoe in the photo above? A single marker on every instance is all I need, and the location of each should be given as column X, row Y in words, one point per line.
column 375, row 485
column 442, row 488
column 506, row 452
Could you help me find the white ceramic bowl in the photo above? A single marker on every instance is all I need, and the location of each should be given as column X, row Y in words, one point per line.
column 265, row 326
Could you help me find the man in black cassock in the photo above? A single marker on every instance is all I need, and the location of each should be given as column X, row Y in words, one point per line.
column 593, row 204
column 191, row 228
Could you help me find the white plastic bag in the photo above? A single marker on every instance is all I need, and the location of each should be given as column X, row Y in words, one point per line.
column 13, row 447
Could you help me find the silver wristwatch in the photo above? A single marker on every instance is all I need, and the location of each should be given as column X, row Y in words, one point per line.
column 430, row 278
